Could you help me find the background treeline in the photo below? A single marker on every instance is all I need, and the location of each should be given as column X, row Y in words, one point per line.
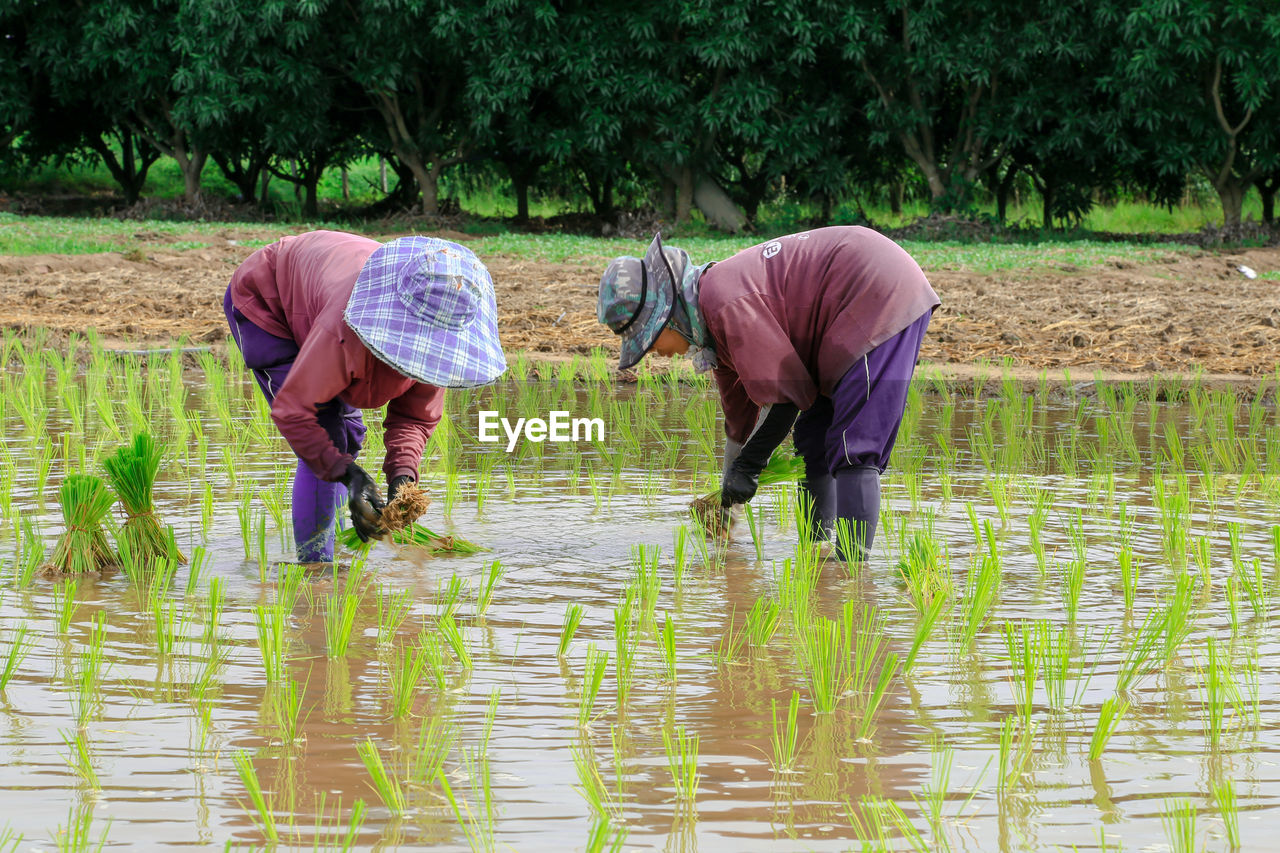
column 715, row 104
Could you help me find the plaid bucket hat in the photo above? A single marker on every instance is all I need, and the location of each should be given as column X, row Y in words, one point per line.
column 426, row 307
column 636, row 295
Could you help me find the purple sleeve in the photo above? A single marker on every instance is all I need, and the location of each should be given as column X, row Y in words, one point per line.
column 319, row 373
column 411, row 418
column 769, row 368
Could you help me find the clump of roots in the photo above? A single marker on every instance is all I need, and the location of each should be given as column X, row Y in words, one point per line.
column 410, row 504
column 714, row 519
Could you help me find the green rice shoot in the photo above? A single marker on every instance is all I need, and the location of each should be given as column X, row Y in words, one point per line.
column 83, row 546
column 132, row 471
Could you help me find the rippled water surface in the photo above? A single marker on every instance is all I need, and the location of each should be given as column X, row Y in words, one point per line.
column 976, row 483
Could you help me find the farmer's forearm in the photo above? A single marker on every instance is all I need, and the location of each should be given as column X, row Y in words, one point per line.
column 411, row 418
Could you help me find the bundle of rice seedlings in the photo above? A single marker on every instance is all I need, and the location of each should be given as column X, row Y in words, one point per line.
column 716, row 520
column 83, row 546
column 417, row 535
column 410, row 504
column 132, row 471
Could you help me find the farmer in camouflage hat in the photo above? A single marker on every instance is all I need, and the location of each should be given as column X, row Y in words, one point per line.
column 820, row 330
column 333, row 323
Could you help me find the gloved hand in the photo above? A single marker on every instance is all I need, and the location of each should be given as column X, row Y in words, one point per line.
column 395, row 485
column 743, row 475
column 365, row 503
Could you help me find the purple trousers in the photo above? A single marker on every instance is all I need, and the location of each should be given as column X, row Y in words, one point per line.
column 315, row 501
column 857, row 425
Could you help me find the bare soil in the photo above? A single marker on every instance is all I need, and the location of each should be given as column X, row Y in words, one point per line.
column 1187, row 311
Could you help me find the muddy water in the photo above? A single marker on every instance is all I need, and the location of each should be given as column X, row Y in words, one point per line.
column 166, row 781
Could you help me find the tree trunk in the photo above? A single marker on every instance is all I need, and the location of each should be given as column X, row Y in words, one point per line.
column 346, row 185
column 668, row 198
column 684, row 194
column 1046, row 193
column 192, row 169
column 1268, row 203
column 1003, row 188
column 1231, row 194
column 266, row 184
column 429, row 183
column 896, row 191
column 382, row 173
column 717, row 206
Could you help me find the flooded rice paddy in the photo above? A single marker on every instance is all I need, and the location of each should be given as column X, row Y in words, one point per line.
column 1065, row 639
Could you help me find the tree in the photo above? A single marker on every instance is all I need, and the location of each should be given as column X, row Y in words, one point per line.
column 133, row 53
column 1202, row 79
column 938, row 74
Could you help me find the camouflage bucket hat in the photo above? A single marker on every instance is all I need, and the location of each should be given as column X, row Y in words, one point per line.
column 636, row 295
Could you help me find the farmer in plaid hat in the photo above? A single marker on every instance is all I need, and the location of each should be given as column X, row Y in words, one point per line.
column 333, row 323
column 820, row 330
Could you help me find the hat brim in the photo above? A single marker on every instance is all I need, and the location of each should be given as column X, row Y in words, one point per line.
column 447, row 357
column 659, row 290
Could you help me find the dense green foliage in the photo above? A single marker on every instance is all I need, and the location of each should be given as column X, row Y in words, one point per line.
column 671, row 103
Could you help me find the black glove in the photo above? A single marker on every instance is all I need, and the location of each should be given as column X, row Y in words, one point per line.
column 743, row 477
column 396, row 484
column 364, row 502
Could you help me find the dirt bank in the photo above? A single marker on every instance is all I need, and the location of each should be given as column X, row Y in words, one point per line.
column 1184, row 311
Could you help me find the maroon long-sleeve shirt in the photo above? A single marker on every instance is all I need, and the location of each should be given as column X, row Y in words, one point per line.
column 297, row 289
column 790, row 317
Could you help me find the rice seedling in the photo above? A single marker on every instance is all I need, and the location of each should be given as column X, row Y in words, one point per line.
column 925, row 625
column 785, row 735
column 820, row 646
column 437, row 735
column 477, row 827
column 1017, row 744
column 244, row 514
column 1179, row 821
column 166, row 619
column 667, row 648
column 1109, row 717
column 64, row 603
column 76, row 835
column 273, row 644
column 981, row 589
column 1023, row 645
column 19, row 646
column 1060, row 662
column 393, row 609
column 264, row 808
column 714, row 521
column 763, row 620
column 1130, row 570
column 340, row 615
column 572, row 619
column 1254, row 585
column 385, row 782
column 83, row 546
column 1141, row 651
column 484, row 593
column 416, row 535
column 1224, row 795
column 286, row 712
column 682, row 760
column 405, row 675
column 594, row 667
column 625, row 644
column 1220, row 691
column 132, row 472
column 80, row 757
column 591, row 784
column 457, row 643
column 888, row 669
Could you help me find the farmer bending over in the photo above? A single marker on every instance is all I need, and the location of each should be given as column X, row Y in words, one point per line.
column 333, row 323
column 825, row 324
